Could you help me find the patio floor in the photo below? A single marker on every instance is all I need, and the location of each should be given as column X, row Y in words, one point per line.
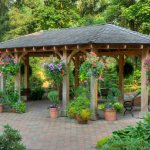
column 39, row 132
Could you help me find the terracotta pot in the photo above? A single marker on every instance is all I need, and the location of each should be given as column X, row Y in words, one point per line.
column 81, row 121
column 110, row 115
column 13, row 110
column 53, row 112
column 1, row 108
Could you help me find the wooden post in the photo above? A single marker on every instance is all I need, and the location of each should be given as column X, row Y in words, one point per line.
column 17, row 79
column 26, row 73
column 93, row 91
column 76, row 71
column 121, row 78
column 144, row 87
column 65, row 91
column 2, row 83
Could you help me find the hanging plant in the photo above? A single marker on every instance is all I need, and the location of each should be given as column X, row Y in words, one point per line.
column 91, row 66
column 128, row 69
column 8, row 66
column 55, row 71
column 147, row 67
column 22, row 67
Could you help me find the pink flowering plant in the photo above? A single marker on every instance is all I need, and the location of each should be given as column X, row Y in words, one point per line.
column 55, row 71
column 8, row 66
column 91, row 66
column 147, row 66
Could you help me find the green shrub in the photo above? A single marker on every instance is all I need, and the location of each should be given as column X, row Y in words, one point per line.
column 83, row 91
column 77, row 106
column 147, row 118
column 85, row 114
column 10, row 98
column 71, row 110
column 118, row 107
column 111, row 105
column 11, row 139
column 102, row 141
column 20, row 107
column 131, row 138
column 37, row 94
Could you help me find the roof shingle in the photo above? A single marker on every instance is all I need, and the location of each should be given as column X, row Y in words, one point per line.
column 100, row 34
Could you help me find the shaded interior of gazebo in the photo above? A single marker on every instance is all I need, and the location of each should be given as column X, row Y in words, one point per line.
column 70, row 43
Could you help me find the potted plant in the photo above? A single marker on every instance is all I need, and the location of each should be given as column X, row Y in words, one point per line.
column 112, row 106
column 83, row 116
column 54, row 100
column 110, row 110
column 79, row 109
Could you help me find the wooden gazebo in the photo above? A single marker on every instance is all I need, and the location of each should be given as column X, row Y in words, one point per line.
column 69, row 43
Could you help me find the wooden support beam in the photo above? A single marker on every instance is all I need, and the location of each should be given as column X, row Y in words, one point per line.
column 76, row 65
column 65, row 91
column 121, row 78
column 26, row 72
column 93, row 93
column 17, row 78
column 3, row 81
column 144, row 87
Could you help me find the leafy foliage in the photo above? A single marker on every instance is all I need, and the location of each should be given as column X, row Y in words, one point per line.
column 11, row 139
column 53, row 98
column 37, row 93
column 130, row 138
column 19, row 107
column 79, row 107
column 55, row 71
column 82, row 91
column 128, row 69
column 91, row 67
column 102, row 141
column 111, row 105
column 8, row 66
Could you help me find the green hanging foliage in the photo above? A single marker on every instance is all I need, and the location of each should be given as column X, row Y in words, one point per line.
column 128, row 69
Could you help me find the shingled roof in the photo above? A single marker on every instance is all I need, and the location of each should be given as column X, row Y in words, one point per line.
column 99, row 34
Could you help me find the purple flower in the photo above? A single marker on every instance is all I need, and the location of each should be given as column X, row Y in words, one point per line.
column 51, row 67
column 59, row 66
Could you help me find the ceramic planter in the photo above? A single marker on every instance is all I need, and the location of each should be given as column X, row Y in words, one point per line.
column 81, row 121
column 110, row 115
column 53, row 112
column 1, row 108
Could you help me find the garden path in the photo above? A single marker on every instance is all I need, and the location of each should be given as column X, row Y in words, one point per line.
column 39, row 132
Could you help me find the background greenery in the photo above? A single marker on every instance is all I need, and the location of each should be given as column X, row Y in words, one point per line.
column 20, row 17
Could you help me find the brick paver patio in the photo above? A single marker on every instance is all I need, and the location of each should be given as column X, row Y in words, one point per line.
column 39, row 132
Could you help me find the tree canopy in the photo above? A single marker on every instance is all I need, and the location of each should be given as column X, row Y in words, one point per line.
column 20, row 17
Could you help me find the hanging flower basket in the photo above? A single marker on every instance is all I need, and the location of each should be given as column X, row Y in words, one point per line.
column 91, row 67
column 55, row 71
column 147, row 68
column 8, row 66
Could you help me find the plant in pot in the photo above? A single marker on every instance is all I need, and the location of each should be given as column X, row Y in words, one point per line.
column 54, row 102
column 112, row 106
column 79, row 109
column 83, row 116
